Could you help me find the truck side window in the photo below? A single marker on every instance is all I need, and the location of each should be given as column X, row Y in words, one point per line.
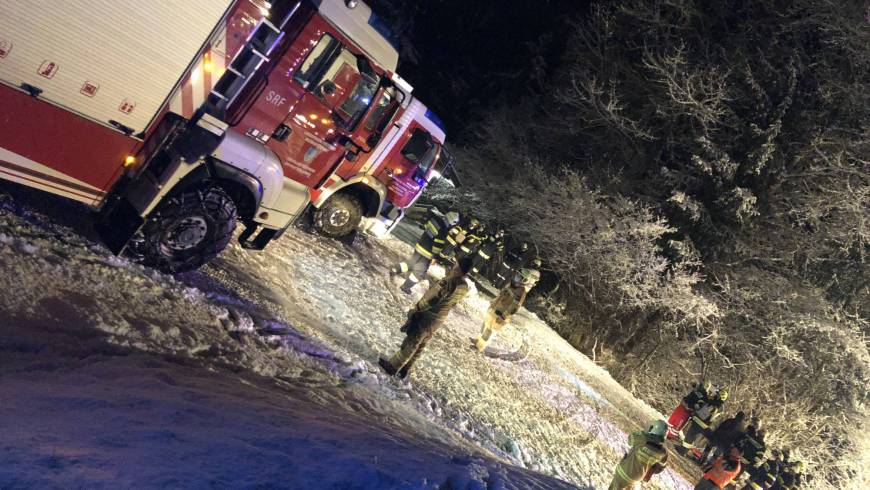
column 344, row 82
column 317, row 61
column 383, row 111
column 420, row 149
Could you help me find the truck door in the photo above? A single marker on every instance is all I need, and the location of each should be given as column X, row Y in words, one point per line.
column 409, row 174
column 339, row 88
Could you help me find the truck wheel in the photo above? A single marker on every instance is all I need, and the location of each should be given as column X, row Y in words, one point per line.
column 186, row 230
column 339, row 216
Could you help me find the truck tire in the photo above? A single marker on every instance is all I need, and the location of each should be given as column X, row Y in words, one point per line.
column 339, row 216
column 186, row 230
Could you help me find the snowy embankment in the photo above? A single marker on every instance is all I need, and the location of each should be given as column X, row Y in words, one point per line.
column 261, row 369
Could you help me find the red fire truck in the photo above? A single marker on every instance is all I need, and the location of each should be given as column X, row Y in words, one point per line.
column 175, row 119
column 407, row 163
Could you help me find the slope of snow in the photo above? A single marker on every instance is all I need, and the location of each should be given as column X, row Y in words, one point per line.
column 262, row 368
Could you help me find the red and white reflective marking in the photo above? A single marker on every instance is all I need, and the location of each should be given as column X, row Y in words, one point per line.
column 25, row 171
column 201, row 80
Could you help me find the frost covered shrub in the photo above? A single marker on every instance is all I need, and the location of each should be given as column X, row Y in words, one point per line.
column 713, row 220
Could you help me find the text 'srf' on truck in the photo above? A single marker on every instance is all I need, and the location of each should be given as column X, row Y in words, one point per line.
column 176, row 119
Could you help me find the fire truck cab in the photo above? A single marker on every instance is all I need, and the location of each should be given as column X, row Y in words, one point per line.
column 175, row 119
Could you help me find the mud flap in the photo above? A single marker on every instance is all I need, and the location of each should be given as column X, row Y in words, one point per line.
column 117, row 226
column 259, row 242
column 175, row 141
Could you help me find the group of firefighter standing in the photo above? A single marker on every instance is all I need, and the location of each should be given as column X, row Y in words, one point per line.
column 735, row 447
column 464, row 247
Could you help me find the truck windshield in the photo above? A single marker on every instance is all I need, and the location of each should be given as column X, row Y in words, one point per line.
column 421, row 150
column 345, row 83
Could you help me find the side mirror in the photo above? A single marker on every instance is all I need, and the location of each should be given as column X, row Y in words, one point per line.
column 327, row 87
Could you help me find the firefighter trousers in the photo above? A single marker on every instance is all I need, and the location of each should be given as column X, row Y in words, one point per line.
column 620, row 483
column 492, row 324
column 416, row 338
column 503, row 275
column 414, row 269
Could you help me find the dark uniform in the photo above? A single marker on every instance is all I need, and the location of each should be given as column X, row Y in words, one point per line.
column 427, row 247
column 752, row 448
column 426, row 318
column 493, row 246
column 726, row 435
column 516, row 259
column 764, row 476
column 790, row 477
column 474, row 236
column 698, row 428
column 455, row 235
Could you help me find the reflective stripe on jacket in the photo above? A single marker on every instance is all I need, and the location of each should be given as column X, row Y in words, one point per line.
column 643, row 455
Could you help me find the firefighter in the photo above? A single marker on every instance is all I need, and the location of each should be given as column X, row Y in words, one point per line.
column 509, row 300
column 428, row 245
column 722, row 473
column 427, row 317
column 763, row 477
column 688, row 405
column 455, row 235
column 531, row 275
column 492, row 246
column 753, row 447
column 646, row 457
column 516, row 259
column 698, row 429
column 473, row 236
column 726, row 435
column 790, row 476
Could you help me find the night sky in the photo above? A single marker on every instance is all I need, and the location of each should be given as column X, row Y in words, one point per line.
column 464, row 56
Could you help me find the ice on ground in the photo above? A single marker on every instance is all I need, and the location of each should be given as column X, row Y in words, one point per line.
column 271, row 358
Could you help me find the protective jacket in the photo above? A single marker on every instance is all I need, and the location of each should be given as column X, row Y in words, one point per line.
column 434, row 236
column 723, row 471
column 708, row 411
column 763, row 476
column 454, row 236
column 696, row 398
column 470, row 245
column 727, row 433
column 752, row 447
column 646, row 455
column 517, row 257
column 489, row 248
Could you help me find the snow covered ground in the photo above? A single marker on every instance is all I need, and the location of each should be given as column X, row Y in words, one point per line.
column 261, row 370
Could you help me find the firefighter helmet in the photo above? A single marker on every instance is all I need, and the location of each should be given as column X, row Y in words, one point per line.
column 536, row 263
column 658, row 430
column 707, row 385
column 524, row 246
column 473, row 224
column 723, row 394
column 452, row 217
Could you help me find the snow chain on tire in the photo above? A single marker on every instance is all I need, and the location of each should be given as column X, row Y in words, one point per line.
column 186, row 230
column 344, row 206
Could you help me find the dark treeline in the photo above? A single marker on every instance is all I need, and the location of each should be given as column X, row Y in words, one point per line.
column 696, row 176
